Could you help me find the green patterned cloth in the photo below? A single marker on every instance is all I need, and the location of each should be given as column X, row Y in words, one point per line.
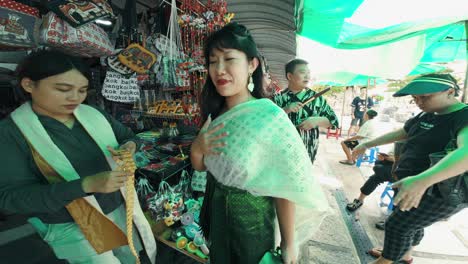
column 317, row 107
column 240, row 226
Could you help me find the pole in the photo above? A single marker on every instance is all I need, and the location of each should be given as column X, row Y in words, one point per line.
column 130, row 17
column 465, row 85
column 343, row 107
column 367, row 91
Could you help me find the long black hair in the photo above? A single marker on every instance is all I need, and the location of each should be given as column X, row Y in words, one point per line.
column 231, row 36
column 46, row 63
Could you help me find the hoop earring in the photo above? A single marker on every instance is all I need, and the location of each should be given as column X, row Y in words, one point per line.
column 251, row 85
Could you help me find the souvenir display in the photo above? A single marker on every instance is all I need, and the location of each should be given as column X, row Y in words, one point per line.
column 18, row 25
column 153, row 83
column 174, row 206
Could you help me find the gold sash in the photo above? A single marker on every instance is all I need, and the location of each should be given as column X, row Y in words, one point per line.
column 100, row 231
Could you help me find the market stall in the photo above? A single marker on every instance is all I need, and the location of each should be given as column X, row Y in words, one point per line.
column 148, row 71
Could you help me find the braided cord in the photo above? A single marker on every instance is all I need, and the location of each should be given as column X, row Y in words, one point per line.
column 128, row 165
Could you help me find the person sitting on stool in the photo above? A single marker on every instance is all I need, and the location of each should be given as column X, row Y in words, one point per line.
column 382, row 173
column 367, row 132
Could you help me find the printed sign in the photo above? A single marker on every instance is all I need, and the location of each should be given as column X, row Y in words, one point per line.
column 120, row 89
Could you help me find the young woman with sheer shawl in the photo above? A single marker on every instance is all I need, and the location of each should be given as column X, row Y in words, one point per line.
column 258, row 168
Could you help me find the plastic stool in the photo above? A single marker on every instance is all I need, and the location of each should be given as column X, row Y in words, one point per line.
column 388, row 192
column 368, row 158
column 336, row 133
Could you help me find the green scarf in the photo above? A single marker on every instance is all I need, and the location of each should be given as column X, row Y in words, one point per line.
column 97, row 127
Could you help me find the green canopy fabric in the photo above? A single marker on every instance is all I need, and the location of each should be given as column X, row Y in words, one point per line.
column 323, row 21
column 445, row 44
column 426, row 68
column 433, row 31
column 393, row 60
column 349, row 78
column 358, row 80
column 357, row 24
column 388, row 39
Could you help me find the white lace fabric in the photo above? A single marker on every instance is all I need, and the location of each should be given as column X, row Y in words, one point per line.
column 265, row 156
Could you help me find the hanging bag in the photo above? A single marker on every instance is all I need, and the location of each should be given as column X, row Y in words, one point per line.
column 87, row 41
column 137, row 58
column 80, row 12
column 453, row 190
column 114, row 63
column 158, row 200
column 19, row 25
column 173, row 75
column 183, row 187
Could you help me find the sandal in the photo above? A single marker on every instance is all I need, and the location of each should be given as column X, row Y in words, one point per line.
column 354, row 205
column 380, row 225
column 347, row 162
column 377, row 253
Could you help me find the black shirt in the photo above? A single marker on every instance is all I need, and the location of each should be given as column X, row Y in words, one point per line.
column 360, row 106
column 428, row 133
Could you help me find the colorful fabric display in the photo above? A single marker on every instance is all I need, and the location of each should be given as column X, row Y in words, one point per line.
column 18, row 25
column 87, row 41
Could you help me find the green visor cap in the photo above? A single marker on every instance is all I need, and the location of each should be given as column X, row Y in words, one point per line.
column 431, row 83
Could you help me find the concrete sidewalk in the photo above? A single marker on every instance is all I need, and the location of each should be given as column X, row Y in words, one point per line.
column 444, row 242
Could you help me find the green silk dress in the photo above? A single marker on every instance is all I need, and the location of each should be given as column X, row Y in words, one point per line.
column 239, row 225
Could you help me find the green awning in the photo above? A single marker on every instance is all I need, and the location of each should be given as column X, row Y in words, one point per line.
column 388, row 39
column 355, row 24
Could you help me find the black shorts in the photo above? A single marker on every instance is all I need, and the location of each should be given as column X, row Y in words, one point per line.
column 357, row 121
column 351, row 144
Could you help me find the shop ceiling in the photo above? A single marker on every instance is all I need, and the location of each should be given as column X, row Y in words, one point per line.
column 272, row 25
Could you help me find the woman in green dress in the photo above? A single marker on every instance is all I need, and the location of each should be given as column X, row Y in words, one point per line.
column 257, row 165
